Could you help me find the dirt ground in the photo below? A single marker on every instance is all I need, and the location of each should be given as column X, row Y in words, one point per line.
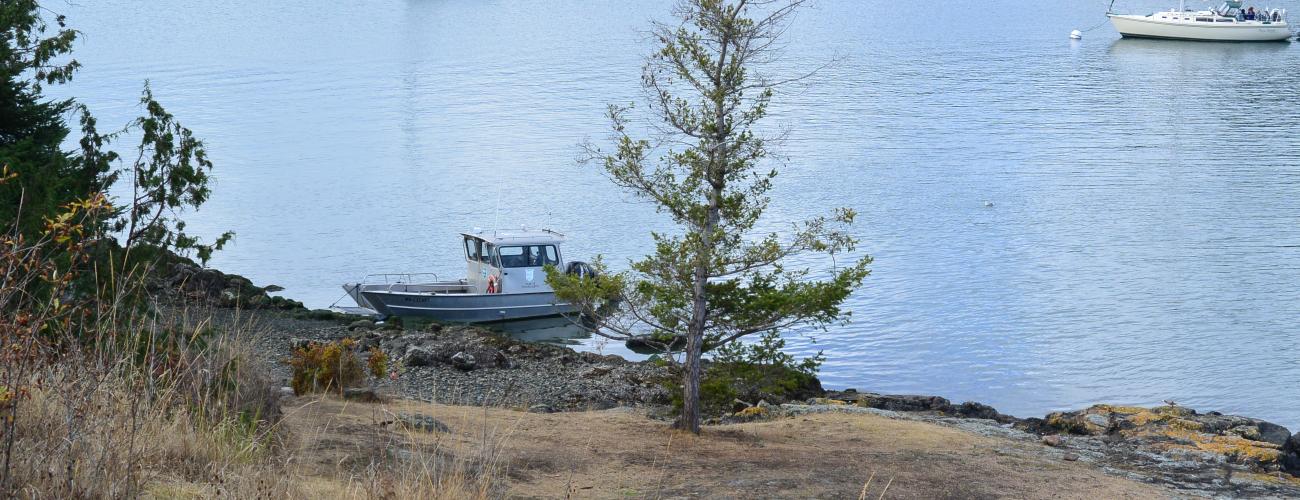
column 622, row 454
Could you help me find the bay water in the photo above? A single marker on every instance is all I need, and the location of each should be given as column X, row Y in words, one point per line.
column 1054, row 223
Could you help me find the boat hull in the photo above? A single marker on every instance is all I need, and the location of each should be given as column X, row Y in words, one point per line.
column 467, row 307
column 1131, row 26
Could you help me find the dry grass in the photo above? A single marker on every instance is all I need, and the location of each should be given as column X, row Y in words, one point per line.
column 106, row 394
column 97, row 427
column 620, row 453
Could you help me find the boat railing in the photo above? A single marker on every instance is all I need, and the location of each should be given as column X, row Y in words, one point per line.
column 399, row 278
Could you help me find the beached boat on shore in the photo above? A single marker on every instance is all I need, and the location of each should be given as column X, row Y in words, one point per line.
column 505, row 280
column 1228, row 23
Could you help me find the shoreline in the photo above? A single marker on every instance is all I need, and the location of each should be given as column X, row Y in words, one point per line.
column 1192, row 452
column 1176, row 447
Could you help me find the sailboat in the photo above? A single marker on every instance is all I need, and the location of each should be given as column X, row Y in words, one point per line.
column 1228, row 23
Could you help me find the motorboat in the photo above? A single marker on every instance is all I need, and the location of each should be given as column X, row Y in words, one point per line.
column 505, row 279
column 1228, row 23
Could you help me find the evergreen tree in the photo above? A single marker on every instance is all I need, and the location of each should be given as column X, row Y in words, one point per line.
column 718, row 280
column 169, row 175
column 33, row 127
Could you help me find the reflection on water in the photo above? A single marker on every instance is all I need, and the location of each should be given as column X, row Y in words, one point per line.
column 1257, row 52
column 563, row 331
column 1142, row 243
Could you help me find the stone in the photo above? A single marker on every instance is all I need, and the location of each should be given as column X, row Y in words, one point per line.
column 1272, row 433
column 361, row 324
column 540, row 409
column 971, row 409
column 1052, row 440
column 500, row 360
column 463, row 361
column 362, row 394
column 273, row 288
column 425, row 423
column 905, row 402
column 418, row 356
column 1070, row 457
column 286, row 391
column 296, row 343
column 596, row 371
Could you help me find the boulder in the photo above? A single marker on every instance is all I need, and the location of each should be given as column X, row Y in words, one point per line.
column 596, row 371
column 905, row 402
column 418, row 356
column 500, row 360
column 361, row 324
column 1180, row 433
column 425, row 423
column 971, row 409
column 463, row 361
column 362, row 394
column 540, row 409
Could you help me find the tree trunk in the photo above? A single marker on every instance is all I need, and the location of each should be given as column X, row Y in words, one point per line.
column 716, row 176
column 691, row 384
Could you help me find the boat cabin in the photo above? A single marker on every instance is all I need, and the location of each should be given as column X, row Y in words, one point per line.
column 1230, row 11
column 511, row 261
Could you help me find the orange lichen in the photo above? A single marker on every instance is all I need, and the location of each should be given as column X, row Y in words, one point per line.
column 1259, row 451
column 1275, row 478
column 753, row 411
column 1123, row 410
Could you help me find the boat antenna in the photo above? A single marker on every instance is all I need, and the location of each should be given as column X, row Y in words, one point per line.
column 496, row 210
column 1111, row 8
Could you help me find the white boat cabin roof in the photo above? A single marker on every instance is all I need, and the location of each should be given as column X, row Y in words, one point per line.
column 522, row 236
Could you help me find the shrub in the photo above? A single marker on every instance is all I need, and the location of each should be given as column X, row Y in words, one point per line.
column 377, row 362
column 754, row 372
column 325, row 366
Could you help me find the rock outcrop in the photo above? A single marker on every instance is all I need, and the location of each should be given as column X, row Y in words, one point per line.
column 1181, row 434
column 1205, row 453
column 200, row 285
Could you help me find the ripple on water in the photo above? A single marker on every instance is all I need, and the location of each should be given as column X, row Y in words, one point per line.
column 1142, row 242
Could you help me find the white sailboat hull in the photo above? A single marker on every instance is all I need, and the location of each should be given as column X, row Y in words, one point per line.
column 1148, row 27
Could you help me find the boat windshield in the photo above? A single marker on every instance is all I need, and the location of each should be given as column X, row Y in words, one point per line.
column 471, row 249
column 528, row 256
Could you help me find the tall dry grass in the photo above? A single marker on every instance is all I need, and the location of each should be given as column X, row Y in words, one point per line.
column 105, row 393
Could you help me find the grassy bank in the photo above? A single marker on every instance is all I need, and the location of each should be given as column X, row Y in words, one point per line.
column 202, row 422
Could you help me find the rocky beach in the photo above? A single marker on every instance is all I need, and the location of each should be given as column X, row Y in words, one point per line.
column 1200, row 453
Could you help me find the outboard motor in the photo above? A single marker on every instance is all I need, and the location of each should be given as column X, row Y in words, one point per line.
column 580, row 269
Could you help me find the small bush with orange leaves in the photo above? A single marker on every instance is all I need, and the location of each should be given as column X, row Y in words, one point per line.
column 377, row 362
column 330, row 366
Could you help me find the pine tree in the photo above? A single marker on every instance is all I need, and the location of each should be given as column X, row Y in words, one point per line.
column 717, row 281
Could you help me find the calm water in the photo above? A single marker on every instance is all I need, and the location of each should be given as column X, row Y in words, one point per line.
column 1143, row 241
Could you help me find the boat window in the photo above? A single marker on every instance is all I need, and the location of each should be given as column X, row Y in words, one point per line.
column 489, row 254
column 1204, row 20
column 512, row 256
column 471, row 249
column 528, row 256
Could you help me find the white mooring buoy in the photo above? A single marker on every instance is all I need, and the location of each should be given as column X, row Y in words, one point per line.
column 1076, row 35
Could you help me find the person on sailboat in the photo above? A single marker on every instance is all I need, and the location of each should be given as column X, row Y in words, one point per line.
column 1250, row 14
